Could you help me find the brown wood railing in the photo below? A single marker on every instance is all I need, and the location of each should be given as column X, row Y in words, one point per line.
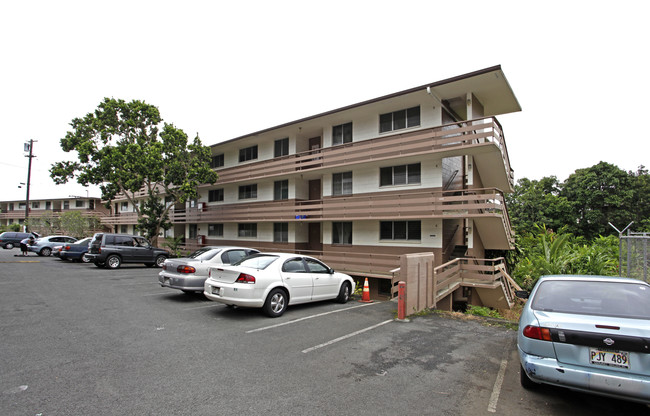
column 473, row 272
column 406, row 205
column 447, row 138
column 36, row 213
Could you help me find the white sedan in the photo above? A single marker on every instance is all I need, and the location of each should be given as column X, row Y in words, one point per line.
column 272, row 281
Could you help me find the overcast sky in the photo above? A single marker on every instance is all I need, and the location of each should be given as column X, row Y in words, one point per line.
column 225, row 69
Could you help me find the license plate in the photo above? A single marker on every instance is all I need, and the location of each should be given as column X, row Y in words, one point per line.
column 216, row 291
column 619, row 359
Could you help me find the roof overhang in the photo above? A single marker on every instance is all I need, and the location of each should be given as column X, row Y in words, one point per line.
column 489, row 85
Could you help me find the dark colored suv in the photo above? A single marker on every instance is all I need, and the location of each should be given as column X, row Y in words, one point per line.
column 111, row 250
column 10, row 239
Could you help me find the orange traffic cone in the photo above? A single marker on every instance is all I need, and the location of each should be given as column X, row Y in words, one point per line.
column 366, row 292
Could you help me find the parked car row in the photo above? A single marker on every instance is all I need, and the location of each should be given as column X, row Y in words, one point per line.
column 234, row 276
column 239, row 276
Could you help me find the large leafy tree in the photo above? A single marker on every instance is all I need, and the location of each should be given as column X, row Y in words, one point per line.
column 538, row 202
column 641, row 200
column 127, row 150
column 600, row 194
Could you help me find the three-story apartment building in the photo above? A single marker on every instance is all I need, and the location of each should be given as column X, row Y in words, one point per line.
column 420, row 170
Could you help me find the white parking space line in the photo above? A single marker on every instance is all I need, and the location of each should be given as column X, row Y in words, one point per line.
column 494, row 398
column 309, row 317
column 361, row 331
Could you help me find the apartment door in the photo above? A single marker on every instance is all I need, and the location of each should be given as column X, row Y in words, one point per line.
column 314, row 143
column 315, row 194
column 315, row 190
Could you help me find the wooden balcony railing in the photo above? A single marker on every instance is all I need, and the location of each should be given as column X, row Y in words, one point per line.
column 388, row 205
column 36, row 213
column 448, row 138
column 121, row 218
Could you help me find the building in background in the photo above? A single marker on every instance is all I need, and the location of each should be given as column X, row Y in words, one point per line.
column 43, row 211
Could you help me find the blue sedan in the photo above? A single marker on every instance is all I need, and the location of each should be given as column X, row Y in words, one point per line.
column 587, row 333
column 76, row 251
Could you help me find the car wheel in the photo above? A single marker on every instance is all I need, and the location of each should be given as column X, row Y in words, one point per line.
column 9, row 246
column 84, row 258
column 344, row 293
column 276, row 303
column 525, row 381
column 160, row 260
column 113, row 261
column 45, row 251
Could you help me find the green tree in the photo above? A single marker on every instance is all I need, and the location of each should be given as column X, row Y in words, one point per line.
column 75, row 224
column 641, row 200
column 538, row 202
column 123, row 149
column 46, row 224
column 600, row 194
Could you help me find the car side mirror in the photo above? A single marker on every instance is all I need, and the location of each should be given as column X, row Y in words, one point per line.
column 522, row 294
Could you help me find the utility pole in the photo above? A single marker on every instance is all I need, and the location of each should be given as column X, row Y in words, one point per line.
column 29, row 146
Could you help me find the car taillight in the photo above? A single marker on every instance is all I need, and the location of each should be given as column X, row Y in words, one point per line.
column 186, row 269
column 536, row 332
column 66, row 248
column 245, row 278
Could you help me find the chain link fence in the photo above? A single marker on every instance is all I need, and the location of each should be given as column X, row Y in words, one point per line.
column 633, row 255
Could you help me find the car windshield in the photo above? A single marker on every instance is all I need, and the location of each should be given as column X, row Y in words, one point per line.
column 257, row 261
column 620, row 299
column 205, row 253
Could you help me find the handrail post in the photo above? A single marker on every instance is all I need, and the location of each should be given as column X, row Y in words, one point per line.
column 401, row 300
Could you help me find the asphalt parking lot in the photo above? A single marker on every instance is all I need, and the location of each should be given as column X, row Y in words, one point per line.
column 78, row 340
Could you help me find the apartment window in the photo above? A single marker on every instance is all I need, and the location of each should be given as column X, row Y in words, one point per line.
column 124, row 229
column 342, row 134
column 66, row 204
column 91, row 204
column 281, row 147
column 194, row 231
column 215, row 195
column 248, row 191
column 281, row 190
column 217, row 161
column 400, row 175
column 399, row 119
column 342, row 183
column 249, row 153
column 247, row 230
column 36, row 204
column 215, row 230
column 11, row 206
column 21, row 205
column 281, row 232
column 400, row 230
column 342, row 233
column 124, row 206
column 79, row 203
